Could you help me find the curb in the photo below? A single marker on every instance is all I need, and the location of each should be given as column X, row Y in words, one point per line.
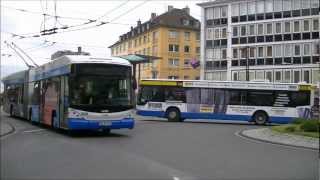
column 274, row 142
column 11, row 131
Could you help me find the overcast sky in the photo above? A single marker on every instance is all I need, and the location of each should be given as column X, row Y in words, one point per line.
column 94, row 40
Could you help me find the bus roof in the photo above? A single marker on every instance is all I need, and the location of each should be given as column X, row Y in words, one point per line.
column 227, row 84
column 15, row 78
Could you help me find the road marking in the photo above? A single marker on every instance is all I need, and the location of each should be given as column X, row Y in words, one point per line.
column 34, row 130
column 274, row 144
column 176, row 178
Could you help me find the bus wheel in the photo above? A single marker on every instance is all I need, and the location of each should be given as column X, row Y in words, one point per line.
column 260, row 118
column 173, row 114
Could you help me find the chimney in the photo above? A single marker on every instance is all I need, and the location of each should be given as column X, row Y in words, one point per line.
column 79, row 49
column 153, row 15
column 187, row 10
column 170, row 7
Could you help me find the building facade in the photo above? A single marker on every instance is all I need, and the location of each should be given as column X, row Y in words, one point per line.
column 275, row 40
column 173, row 36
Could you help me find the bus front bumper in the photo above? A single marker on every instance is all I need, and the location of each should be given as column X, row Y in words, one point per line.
column 82, row 124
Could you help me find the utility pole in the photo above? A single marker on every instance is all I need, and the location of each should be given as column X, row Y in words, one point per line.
column 247, row 64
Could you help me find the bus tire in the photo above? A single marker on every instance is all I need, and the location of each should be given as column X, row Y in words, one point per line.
column 173, row 115
column 30, row 115
column 53, row 115
column 260, row 117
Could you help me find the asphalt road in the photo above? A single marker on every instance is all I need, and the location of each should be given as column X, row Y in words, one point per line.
column 153, row 150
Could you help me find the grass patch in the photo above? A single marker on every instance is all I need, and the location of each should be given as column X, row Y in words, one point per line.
column 294, row 129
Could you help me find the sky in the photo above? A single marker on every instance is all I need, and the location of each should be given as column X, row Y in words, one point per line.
column 30, row 21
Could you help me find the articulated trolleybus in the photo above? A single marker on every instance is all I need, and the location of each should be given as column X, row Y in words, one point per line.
column 258, row 102
column 73, row 93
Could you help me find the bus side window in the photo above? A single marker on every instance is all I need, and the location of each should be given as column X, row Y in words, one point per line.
column 207, row 96
column 299, row 99
column 175, row 94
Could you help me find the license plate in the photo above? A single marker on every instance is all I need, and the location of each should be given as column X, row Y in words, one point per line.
column 105, row 123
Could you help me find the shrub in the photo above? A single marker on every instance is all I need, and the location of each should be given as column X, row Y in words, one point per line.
column 290, row 128
column 298, row 121
column 310, row 126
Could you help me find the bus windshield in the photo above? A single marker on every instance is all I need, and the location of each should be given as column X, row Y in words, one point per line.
column 104, row 88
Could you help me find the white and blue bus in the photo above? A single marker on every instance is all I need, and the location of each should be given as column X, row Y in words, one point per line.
column 73, row 93
column 259, row 102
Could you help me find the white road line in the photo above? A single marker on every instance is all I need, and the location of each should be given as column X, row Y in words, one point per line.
column 34, row 130
column 274, row 144
column 176, row 178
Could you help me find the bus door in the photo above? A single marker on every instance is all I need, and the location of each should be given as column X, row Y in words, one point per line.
column 51, row 89
column 63, row 101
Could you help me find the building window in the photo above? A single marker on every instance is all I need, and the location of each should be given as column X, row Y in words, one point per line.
column 269, row 28
column 260, row 7
column 243, row 53
column 243, row 8
column 287, row 5
column 277, row 5
column 269, row 5
column 287, row 26
column 306, row 25
column 185, row 22
column 186, row 49
column 315, row 3
column 224, row 54
column 173, row 62
column 243, row 30
column 316, row 48
column 296, row 48
column 173, row 48
column 216, row 33
column 259, row 75
column 278, row 76
column 235, row 9
column 252, row 53
column 198, row 36
column 235, row 53
column 287, row 76
column 235, row 31
column 305, row 4
column 296, row 26
column 287, row 50
column 251, row 30
column 144, row 39
column 216, row 54
column 173, row 34
column 185, row 77
column 209, row 35
column 315, row 76
column 277, row 50
column 269, row 51
column 260, row 52
column 296, row 76
column 186, row 63
column 224, row 11
column 260, row 29
column 155, row 35
column 235, row 76
column 209, row 13
column 252, row 7
column 173, row 77
column 278, row 28
column 269, row 76
column 198, row 50
column 296, row 4
column 315, row 26
column 306, row 76
column 216, row 12
column 224, row 33
column 306, row 50
column 187, row 36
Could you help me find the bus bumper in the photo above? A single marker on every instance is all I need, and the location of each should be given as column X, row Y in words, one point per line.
column 82, row 124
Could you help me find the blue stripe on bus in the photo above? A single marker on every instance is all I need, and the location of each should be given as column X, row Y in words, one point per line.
column 82, row 124
column 189, row 115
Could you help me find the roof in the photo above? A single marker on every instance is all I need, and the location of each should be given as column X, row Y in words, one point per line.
column 217, row 2
column 15, row 78
column 172, row 19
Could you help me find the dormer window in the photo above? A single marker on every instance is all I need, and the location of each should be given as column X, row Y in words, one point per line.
column 185, row 22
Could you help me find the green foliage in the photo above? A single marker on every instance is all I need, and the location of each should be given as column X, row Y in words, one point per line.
column 290, row 128
column 298, row 121
column 310, row 126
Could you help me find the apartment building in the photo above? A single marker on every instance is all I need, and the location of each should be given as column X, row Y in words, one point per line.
column 174, row 36
column 275, row 40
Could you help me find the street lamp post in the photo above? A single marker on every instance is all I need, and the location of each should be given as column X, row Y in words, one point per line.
column 247, row 63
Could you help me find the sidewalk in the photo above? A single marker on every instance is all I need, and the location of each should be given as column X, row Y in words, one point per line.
column 5, row 128
column 267, row 135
